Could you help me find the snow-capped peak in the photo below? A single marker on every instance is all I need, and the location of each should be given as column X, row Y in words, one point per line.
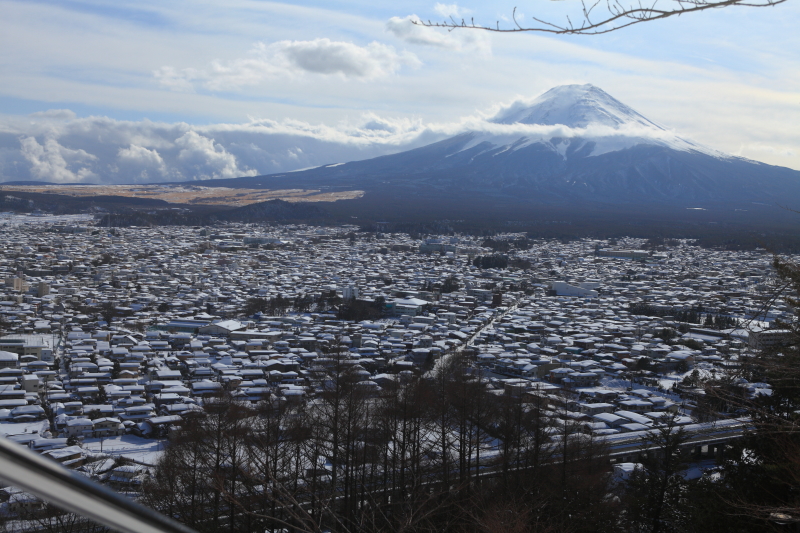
column 576, row 106
column 576, row 115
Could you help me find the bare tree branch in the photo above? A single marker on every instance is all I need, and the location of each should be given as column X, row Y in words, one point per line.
column 617, row 16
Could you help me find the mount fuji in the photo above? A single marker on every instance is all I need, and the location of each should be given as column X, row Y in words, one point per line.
column 573, row 144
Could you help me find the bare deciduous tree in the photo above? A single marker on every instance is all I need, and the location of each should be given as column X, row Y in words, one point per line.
column 598, row 17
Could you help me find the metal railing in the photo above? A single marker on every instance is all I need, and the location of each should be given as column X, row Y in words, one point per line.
column 73, row 492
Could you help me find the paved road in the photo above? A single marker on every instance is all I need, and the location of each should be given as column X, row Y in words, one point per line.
column 446, row 357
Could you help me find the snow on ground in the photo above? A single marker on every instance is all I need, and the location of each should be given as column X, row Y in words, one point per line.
column 129, row 446
column 667, row 381
column 15, row 428
column 677, row 377
column 614, row 383
column 622, row 471
column 696, row 470
column 622, row 385
column 14, row 219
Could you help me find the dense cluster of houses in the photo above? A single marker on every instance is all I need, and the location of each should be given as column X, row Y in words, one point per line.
column 115, row 332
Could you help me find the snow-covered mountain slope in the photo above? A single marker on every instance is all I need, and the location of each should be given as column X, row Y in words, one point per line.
column 576, row 106
column 568, row 117
column 572, row 143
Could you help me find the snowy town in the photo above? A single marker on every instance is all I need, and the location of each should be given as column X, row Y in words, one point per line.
column 113, row 339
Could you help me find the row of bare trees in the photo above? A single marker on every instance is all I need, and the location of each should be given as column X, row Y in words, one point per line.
column 435, row 454
column 445, row 452
column 280, row 305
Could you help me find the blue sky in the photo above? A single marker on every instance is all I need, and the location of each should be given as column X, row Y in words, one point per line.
column 247, row 86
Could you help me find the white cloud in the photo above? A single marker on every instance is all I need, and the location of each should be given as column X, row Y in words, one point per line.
column 324, row 56
column 140, row 155
column 176, row 80
column 57, row 114
column 238, row 73
column 451, row 10
column 148, row 163
column 114, row 151
column 292, row 58
column 51, row 161
column 406, row 30
column 780, row 150
column 208, row 159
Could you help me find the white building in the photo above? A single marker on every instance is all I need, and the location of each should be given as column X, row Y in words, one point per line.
column 565, row 289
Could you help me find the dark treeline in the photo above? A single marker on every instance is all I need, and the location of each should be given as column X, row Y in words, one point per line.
column 447, row 453
column 420, row 455
column 491, row 261
column 444, row 452
column 358, row 310
column 302, row 303
column 353, row 309
column 694, row 315
column 500, row 261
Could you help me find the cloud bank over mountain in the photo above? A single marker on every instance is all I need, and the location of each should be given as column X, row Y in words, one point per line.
column 58, row 146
